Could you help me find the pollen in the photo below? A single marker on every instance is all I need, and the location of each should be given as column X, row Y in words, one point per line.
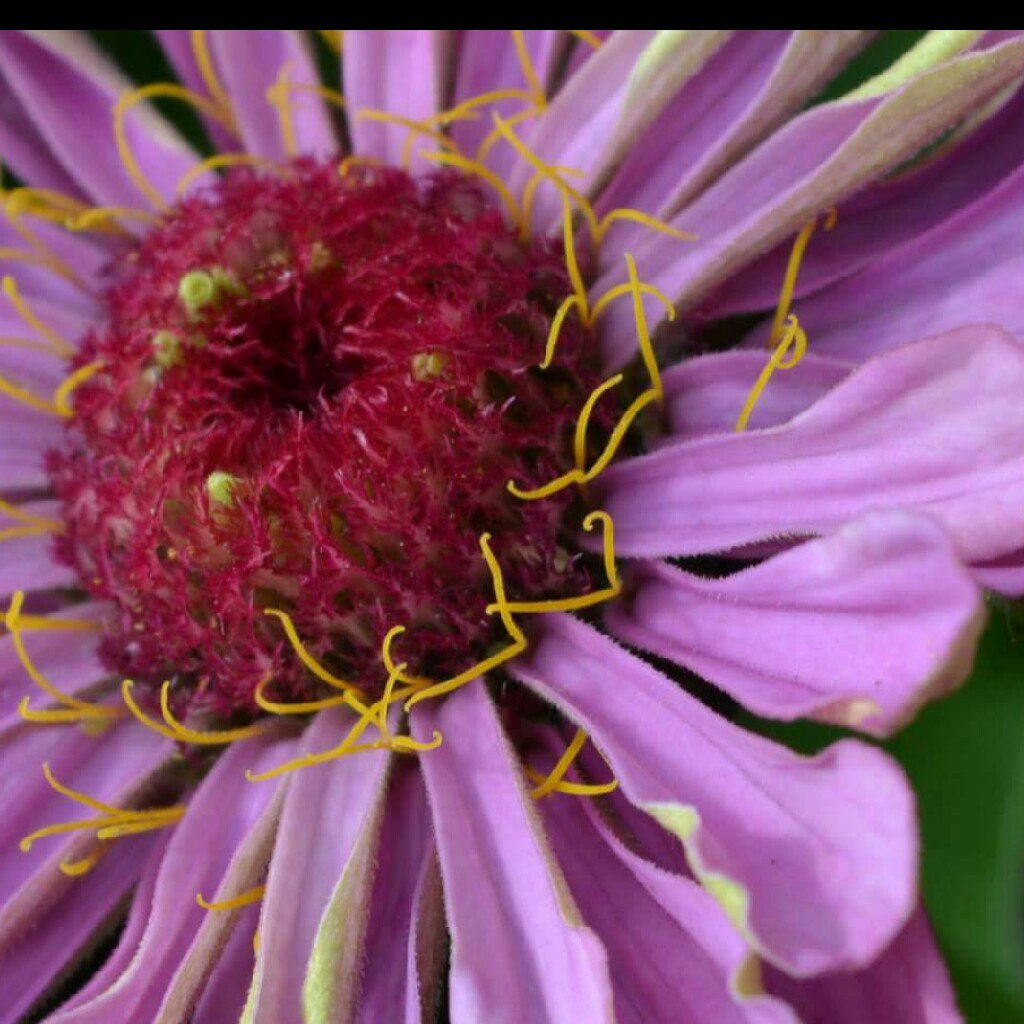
column 300, row 414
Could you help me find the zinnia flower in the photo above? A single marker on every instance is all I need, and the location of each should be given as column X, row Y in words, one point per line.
column 359, row 482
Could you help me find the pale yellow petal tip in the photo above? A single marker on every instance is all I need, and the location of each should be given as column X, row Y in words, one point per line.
column 731, row 896
column 852, row 713
column 933, row 49
column 748, row 982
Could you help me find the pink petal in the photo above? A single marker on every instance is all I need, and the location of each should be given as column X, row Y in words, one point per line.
column 110, row 767
column 405, row 907
column 330, row 825
column 814, row 859
column 750, row 86
column 817, row 161
column 890, row 214
column 70, row 90
column 859, row 628
column 224, row 997
column 673, row 954
column 249, row 62
column 705, row 395
column 400, row 71
column 28, row 563
column 218, row 849
column 520, row 951
column 907, row 984
column 936, row 426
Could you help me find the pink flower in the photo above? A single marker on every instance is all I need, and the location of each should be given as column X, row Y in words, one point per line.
column 414, row 452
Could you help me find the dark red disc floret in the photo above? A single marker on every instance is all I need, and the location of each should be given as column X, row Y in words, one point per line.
column 326, row 430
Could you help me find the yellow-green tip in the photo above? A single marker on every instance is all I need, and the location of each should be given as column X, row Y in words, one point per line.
column 220, row 485
column 196, row 290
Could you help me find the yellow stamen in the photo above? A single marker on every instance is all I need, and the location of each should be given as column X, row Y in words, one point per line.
column 466, row 110
column 357, row 161
column 299, row 708
column 572, row 604
column 629, row 289
column 792, row 269
column 14, row 532
column 638, row 217
column 794, row 337
column 571, row 263
column 478, row 169
column 556, row 774
column 35, row 259
column 60, row 346
column 80, row 708
column 204, row 62
column 579, row 443
column 550, row 172
column 77, row 868
column 577, row 476
column 518, row 645
column 530, row 191
column 32, row 202
column 570, row 303
column 18, row 513
column 643, row 335
column 173, row 729
column 104, row 218
column 529, row 71
column 586, row 36
column 131, row 98
column 305, row 657
column 333, row 37
column 278, row 96
column 223, row 160
column 495, row 134
column 74, row 380
column 244, row 899
column 417, row 128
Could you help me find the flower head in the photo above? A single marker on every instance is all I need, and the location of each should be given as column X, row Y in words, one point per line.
column 360, row 501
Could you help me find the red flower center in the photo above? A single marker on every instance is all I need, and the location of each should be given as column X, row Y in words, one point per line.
column 314, row 391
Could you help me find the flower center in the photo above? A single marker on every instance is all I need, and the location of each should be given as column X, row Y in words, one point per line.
column 314, row 390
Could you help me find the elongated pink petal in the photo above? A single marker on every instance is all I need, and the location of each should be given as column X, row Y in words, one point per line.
column 907, row 984
column 937, row 426
column 330, row 824
column 674, row 956
column 705, row 395
column 527, row 956
column 814, row 859
column 396, row 71
column 889, row 215
column 859, row 628
column 817, row 161
column 230, row 825
column 746, row 90
column 250, row 62
column 69, row 89
column 392, row 988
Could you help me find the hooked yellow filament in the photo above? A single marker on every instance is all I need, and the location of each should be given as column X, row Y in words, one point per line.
column 223, row 160
column 417, row 128
column 357, row 161
column 529, row 71
column 204, row 62
column 173, row 729
column 60, row 346
column 793, row 338
column 72, row 381
column 111, row 822
column 243, row 899
column 555, row 782
column 305, row 657
column 475, row 168
column 73, row 709
column 792, row 269
column 19, row 514
column 132, row 98
column 596, row 597
column 279, row 97
column 298, row 708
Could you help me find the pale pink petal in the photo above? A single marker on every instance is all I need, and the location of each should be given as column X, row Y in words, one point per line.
column 70, row 90
column 330, row 825
column 250, row 62
column 907, row 984
column 936, row 426
column 859, row 628
column 814, row 859
column 398, row 71
column 520, row 951
column 818, row 160
column 705, row 395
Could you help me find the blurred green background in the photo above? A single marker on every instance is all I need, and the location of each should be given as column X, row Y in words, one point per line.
column 965, row 756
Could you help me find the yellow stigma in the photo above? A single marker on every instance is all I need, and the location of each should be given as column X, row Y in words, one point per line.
column 196, row 290
column 220, row 487
column 167, row 347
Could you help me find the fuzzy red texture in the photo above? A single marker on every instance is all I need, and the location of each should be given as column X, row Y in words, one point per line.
column 364, row 477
